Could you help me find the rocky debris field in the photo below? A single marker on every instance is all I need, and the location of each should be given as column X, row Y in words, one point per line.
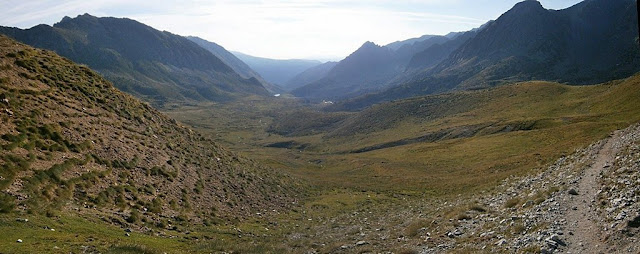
column 584, row 203
column 618, row 194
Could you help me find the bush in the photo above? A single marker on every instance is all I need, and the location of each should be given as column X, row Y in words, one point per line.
column 155, row 206
column 7, row 203
column 464, row 216
column 478, row 208
column 512, row 202
column 139, row 249
column 415, row 227
column 134, row 216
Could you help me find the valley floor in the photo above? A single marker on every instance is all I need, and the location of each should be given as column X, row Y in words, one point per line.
column 585, row 202
column 510, row 190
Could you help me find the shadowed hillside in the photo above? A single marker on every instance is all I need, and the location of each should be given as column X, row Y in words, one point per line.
column 73, row 143
column 589, row 43
column 157, row 66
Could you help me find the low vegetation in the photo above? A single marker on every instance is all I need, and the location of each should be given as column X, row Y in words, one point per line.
column 84, row 159
column 74, row 148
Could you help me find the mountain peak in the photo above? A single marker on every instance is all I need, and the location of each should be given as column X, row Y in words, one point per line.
column 84, row 18
column 86, row 15
column 528, row 5
column 369, row 44
column 368, row 47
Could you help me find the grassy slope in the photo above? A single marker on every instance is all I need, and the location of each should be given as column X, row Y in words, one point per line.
column 487, row 135
column 555, row 119
column 509, row 130
column 79, row 156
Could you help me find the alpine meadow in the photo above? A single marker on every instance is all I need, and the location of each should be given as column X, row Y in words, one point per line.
column 520, row 134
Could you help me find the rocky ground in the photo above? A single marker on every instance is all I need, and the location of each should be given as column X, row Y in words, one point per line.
column 584, row 203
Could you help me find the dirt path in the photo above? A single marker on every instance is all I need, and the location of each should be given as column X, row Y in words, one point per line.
column 584, row 234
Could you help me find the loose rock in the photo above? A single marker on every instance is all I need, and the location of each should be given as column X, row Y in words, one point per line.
column 360, row 243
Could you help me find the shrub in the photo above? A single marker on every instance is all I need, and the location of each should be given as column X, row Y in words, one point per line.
column 464, row 216
column 478, row 208
column 155, row 206
column 512, row 202
column 134, row 216
column 139, row 249
column 415, row 227
column 7, row 203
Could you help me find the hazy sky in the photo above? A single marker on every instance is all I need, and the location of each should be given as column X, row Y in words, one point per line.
column 312, row 29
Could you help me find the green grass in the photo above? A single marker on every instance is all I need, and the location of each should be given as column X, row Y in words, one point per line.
column 76, row 234
column 489, row 135
column 482, row 136
column 415, row 155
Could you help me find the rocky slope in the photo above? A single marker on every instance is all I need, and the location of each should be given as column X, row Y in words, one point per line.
column 585, row 202
column 156, row 66
column 72, row 142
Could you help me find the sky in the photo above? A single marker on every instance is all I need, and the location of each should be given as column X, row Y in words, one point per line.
column 280, row 29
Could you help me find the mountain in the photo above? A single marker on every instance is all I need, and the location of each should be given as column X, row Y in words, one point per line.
column 310, row 75
column 435, row 54
column 74, row 144
column 397, row 44
column 365, row 70
column 407, row 51
column 276, row 71
column 371, row 68
column 362, row 73
column 232, row 61
column 591, row 42
column 157, row 66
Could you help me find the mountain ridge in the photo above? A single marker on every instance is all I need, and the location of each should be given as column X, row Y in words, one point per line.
column 529, row 42
column 159, row 67
column 364, row 70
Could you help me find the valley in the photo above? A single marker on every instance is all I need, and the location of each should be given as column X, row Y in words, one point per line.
column 518, row 136
column 446, row 136
column 462, row 147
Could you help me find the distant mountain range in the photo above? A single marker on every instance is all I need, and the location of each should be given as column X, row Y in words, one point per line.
column 590, row 42
column 278, row 72
column 157, row 66
column 310, row 75
column 373, row 67
column 396, row 45
column 234, row 62
column 365, row 70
